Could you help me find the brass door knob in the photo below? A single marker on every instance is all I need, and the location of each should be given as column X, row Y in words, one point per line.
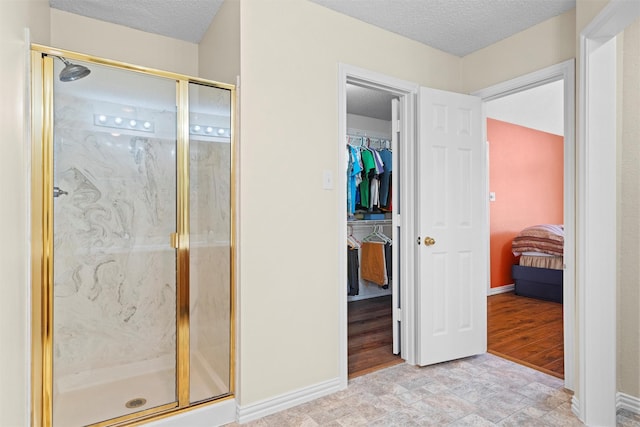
column 429, row 241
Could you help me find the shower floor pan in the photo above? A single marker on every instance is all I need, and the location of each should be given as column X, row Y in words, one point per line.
column 102, row 402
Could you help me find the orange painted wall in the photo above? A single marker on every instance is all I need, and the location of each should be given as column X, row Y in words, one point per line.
column 526, row 174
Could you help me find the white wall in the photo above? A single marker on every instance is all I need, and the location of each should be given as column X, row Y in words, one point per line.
column 219, row 49
column 373, row 127
column 90, row 36
column 540, row 108
column 628, row 328
column 290, row 225
column 15, row 16
column 548, row 43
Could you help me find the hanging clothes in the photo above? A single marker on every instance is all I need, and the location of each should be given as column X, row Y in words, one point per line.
column 385, row 177
column 353, row 266
column 368, row 175
column 375, row 182
column 369, row 168
column 354, row 170
column 373, row 267
column 374, row 193
column 390, row 198
column 388, row 262
column 379, row 162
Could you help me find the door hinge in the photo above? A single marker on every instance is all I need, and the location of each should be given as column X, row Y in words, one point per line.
column 395, row 126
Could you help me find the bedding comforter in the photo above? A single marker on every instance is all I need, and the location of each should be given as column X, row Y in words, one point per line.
column 544, row 238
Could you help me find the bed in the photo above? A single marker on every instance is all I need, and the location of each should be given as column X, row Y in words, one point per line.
column 538, row 273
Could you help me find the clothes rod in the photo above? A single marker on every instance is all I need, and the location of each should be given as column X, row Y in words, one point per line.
column 370, row 138
column 383, row 138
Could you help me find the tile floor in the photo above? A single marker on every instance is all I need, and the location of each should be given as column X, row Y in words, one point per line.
column 482, row 390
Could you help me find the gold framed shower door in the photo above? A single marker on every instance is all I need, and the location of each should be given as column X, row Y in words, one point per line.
column 42, row 281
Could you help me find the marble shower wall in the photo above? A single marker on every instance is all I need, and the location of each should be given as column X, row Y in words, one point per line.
column 114, row 269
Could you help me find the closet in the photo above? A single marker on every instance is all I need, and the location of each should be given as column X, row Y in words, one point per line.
column 369, row 229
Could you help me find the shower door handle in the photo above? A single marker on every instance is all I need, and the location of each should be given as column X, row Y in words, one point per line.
column 174, row 240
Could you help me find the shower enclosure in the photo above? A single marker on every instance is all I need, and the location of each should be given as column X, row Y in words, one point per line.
column 132, row 211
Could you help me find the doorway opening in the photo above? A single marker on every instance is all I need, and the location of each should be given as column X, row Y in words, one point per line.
column 371, row 292
column 376, row 114
column 541, row 284
column 525, row 133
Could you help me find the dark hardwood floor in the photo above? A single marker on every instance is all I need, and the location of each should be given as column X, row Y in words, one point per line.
column 370, row 336
column 527, row 331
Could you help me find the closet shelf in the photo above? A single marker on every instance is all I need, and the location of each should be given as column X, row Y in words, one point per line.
column 356, row 222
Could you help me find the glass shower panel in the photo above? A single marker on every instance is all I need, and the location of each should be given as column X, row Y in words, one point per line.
column 210, row 241
column 114, row 307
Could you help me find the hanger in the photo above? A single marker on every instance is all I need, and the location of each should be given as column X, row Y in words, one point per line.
column 352, row 241
column 377, row 234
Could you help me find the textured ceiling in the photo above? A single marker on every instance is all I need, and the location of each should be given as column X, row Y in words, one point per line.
column 455, row 26
column 459, row 27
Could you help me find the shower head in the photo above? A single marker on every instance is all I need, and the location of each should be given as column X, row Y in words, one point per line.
column 72, row 72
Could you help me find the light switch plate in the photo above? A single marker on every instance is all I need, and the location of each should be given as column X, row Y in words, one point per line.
column 327, row 180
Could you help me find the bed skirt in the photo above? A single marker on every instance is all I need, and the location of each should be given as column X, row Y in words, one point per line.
column 541, row 283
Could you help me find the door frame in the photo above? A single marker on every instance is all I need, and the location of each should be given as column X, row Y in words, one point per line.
column 595, row 399
column 562, row 71
column 407, row 94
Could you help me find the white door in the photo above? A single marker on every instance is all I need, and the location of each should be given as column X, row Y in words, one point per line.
column 395, row 249
column 451, row 228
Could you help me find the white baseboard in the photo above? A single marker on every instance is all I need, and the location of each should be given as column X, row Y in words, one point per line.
column 288, row 400
column 623, row 401
column 575, row 406
column 630, row 403
column 500, row 290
